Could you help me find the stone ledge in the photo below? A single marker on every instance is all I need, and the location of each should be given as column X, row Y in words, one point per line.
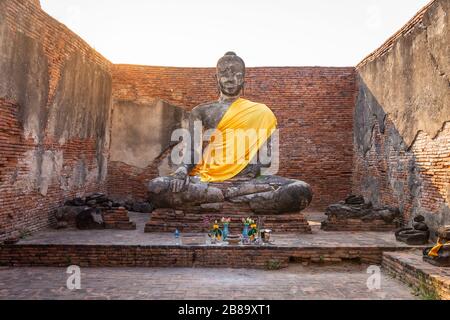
column 261, row 257
column 117, row 218
column 168, row 220
column 338, row 224
column 409, row 267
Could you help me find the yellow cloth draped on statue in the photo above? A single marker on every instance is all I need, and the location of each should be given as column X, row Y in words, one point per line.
column 434, row 252
column 240, row 134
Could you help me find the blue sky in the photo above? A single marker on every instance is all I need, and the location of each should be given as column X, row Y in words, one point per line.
column 196, row 33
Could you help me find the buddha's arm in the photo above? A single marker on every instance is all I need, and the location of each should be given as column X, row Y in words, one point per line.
column 191, row 153
column 254, row 168
column 193, row 150
column 265, row 156
column 268, row 163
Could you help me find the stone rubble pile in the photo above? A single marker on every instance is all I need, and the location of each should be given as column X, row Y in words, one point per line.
column 357, row 214
column 97, row 211
column 419, row 234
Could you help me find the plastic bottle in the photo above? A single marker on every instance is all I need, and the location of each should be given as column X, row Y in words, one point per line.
column 177, row 237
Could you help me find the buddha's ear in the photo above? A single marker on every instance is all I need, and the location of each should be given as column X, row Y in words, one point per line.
column 216, row 79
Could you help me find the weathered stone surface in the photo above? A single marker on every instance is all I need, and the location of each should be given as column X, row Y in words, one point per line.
column 84, row 93
column 90, row 219
column 291, row 197
column 62, row 225
column 195, row 194
column 212, row 207
column 402, row 120
column 43, row 93
column 142, row 207
column 67, row 215
column 276, row 195
column 91, row 203
column 76, row 202
column 415, row 72
column 142, row 132
column 98, row 210
column 358, row 209
column 24, row 70
column 247, row 189
column 412, row 238
column 98, row 198
column 25, row 80
column 418, row 235
column 355, row 200
column 421, row 226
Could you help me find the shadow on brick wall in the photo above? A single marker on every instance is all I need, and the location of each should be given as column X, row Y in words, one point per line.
column 389, row 172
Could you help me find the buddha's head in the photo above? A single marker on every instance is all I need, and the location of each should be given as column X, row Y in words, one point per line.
column 230, row 74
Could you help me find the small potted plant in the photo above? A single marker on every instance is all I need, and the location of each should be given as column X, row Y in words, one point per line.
column 247, row 223
column 216, row 233
column 253, row 233
column 226, row 223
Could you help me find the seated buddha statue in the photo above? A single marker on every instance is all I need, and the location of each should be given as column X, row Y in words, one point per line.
column 439, row 255
column 205, row 181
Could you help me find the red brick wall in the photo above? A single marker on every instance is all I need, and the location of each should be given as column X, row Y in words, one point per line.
column 58, row 41
column 404, row 89
column 186, row 256
column 425, row 190
column 36, row 3
column 314, row 107
column 23, row 208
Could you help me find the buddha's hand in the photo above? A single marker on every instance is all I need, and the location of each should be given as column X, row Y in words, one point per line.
column 181, row 179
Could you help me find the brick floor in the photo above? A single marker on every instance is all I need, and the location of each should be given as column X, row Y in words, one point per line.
column 318, row 238
column 344, row 281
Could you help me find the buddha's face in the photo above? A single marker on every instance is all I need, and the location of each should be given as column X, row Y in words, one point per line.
column 230, row 75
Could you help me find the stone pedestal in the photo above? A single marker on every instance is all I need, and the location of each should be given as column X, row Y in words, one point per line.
column 354, row 224
column 117, row 218
column 168, row 220
column 358, row 214
column 428, row 281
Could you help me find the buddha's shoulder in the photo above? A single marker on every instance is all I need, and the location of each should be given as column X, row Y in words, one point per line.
column 256, row 104
column 202, row 107
column 260, row 106
column 263, row 110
